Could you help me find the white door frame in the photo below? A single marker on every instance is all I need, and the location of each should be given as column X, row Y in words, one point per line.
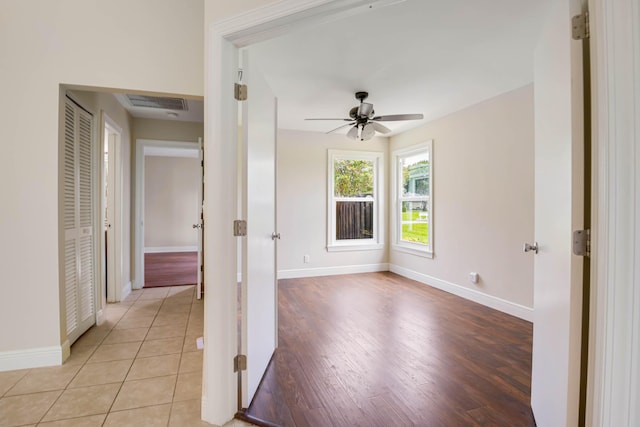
column 223, row 38
column 613, row 233
column 115, row 286
column 156, row 148
column 614, row 347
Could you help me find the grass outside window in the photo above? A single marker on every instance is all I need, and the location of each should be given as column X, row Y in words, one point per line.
column 415, row 228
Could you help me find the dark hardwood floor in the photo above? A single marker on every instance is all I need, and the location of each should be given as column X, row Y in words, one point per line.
column 170, row 269
column 381, row 350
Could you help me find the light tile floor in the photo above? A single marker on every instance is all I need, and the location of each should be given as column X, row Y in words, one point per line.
column 140, row 367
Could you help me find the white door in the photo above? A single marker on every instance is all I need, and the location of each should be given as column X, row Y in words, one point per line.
column 258, row 267
column 109, row 221
column 200, row 222
column 79, row 278
column 559, row 209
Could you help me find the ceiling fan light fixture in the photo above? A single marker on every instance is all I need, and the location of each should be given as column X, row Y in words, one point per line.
column 364, row 121
column 368, row 132
column 353, row 132
column 365, row 110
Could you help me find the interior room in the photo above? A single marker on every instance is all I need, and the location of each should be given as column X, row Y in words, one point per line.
column 400, row 212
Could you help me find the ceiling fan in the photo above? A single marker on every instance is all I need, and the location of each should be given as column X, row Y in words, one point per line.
column 364, row 122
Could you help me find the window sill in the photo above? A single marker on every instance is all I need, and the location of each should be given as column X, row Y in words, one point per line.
column 413, row 251
column 355, row 247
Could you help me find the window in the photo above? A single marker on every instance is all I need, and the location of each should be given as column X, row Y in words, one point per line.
column 412, row 218
column 354, row 200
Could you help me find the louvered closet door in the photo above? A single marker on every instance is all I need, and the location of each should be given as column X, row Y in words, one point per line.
column 78, row 215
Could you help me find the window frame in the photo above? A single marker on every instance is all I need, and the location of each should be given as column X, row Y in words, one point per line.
column 396, row 196
column 377, row 242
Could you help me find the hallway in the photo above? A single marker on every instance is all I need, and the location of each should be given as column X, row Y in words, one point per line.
column 140, row 367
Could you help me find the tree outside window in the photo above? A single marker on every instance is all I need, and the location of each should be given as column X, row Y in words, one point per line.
column 413, row 205
column 353, row 201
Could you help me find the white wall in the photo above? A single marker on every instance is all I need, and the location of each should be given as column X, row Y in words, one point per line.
column 302, row 205
column 148, row 45
column 482, row 199
column 171, row 202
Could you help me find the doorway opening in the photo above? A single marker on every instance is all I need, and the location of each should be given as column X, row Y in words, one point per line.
column 111, row 185
column 168, row 215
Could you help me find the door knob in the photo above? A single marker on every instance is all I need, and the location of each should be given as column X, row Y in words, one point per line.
column 275, row 236
column 197, row 226
column 528, row 247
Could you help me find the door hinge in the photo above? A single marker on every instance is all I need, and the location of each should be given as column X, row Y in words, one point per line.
column 202, row 163
column 582, row 243
column 240, row 92
column 240, row 363
column 239, row 228
column 580, row 26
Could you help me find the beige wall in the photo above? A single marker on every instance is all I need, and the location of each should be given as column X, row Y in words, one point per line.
column 483, row 198
column 147, row 45
column 170, row 201
column 167, row 130
column 482, row 195
column 302, row 200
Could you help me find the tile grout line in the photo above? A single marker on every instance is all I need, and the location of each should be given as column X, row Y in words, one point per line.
column 97, row 346
column 100, row 342
column 131, row 366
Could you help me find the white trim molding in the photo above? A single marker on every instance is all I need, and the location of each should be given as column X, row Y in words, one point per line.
column 223, row 38
column 613, row 389
column 165, row 249
column 332, row 271
column 144, row 147
column 33, row 358
column 125, row 291
column 508, row 307
column 113, row 294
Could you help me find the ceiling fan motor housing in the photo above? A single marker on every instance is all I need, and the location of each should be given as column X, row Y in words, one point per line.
column 362, row 95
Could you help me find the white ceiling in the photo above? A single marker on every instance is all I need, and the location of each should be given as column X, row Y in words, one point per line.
column 414, row 56
column 419, row 56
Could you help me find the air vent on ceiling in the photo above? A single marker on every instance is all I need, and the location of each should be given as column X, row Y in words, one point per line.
column 179, row 104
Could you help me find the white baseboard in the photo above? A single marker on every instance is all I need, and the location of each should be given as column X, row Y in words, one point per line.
column 33, row 358
column 332, row 271
column 99, row 317
column 126, row 290
column 162, row 249
column 66, row 350
column 496, row 303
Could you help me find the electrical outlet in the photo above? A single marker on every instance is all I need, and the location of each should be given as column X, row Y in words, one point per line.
column 306, row 259
column 473, row 277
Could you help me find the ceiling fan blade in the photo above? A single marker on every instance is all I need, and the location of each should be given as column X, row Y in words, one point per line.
column 398, row 117
column 346, row 120
column 380, row 128
column 341, row 127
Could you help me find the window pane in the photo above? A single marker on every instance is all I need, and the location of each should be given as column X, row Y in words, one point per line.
column 353, row 178
column 354, row 220
column 415, row 222
column 415, row 175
